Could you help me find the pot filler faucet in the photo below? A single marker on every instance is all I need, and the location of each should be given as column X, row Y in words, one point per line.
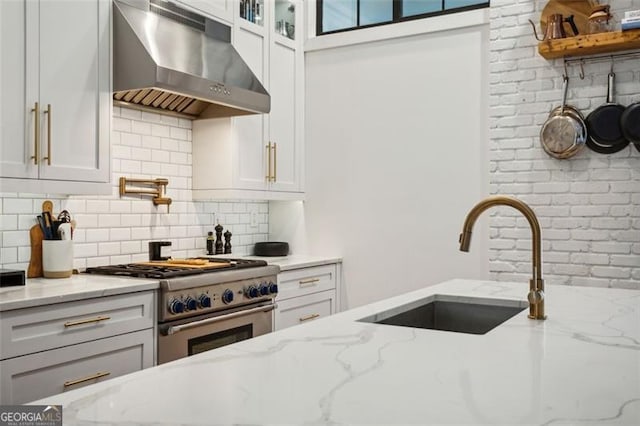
column 536, row 284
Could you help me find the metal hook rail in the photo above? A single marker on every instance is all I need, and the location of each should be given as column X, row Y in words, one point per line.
column 596, row 59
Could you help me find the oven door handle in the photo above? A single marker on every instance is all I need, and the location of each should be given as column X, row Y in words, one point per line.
column 177, row 328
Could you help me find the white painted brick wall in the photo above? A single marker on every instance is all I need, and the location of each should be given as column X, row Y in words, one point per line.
column 112, row 229
column 589, row 205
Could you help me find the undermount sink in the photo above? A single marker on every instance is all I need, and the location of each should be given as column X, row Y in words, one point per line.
column 451, row 313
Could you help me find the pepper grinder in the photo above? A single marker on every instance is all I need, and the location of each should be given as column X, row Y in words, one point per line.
column 219, row 244
column 227, row 242
column 210, row 241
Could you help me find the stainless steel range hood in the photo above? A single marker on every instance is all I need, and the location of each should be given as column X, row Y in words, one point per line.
column 176, row 62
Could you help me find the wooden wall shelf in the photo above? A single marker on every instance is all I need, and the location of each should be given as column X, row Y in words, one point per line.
column 591, row 44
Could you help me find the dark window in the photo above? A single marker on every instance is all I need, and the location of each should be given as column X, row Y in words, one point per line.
column 341, row 15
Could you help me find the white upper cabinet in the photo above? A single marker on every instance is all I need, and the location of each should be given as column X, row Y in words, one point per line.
column 259, row 156
column 55, row 107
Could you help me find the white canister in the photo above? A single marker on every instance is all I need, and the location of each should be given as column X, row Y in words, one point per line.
column 57, row 258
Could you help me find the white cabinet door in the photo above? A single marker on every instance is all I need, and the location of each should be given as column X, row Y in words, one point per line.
column 56, row 55
column 74, row 89
column 250, row 131
column 30, row 377
column 18, row 85
column 282, row 119
column 286, row 79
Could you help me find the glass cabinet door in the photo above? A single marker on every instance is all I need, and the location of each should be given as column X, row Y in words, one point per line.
column 252, row 11
column 285, row 18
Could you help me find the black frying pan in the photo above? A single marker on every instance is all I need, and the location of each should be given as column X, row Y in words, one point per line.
column 603, row 124
column 630, row 123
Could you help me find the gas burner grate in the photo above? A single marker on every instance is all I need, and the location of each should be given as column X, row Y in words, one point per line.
column 136, row 270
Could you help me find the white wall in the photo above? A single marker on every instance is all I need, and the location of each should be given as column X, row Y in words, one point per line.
column 114, row 230
column 396, row 147
column 588, row 205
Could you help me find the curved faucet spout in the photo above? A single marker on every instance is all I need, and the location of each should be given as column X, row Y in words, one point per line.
column 536, row 284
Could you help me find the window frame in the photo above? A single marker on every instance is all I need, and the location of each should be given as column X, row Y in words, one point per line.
column 396, row 15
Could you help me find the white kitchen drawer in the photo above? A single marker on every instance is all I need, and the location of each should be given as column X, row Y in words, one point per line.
column 47, row 373
column 303, row 309
column 25, row 331
column 303, row 281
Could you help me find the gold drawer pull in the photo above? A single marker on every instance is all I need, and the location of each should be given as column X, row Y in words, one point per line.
column 309, row 317
column 85, row 321
column 308, row 282
column 86, row 379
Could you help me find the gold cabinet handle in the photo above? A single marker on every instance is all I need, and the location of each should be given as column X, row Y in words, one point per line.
column 308, row 282
column 86, row 321
column 86, row 379
column 308, row 317
column 36, row 137
column 48, row 157
column 275, row 162
column 268, row 176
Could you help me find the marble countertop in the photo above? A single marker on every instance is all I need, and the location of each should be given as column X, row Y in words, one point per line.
column 45, row 291
column 580, row 366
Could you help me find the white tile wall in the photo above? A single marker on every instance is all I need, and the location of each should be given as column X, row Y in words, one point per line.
column 112, row 229
column 589, row 205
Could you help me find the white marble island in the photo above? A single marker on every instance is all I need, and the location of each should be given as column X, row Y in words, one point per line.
column 580, row 366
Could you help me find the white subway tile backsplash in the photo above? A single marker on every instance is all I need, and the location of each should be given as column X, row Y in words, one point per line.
column 141, row 128
column 158, row 156
column 151, row 142
column 121, row 125
column 160, row 130
column 9, row 255
column 15, row 238
column 18, row 205
column 130, row 113
column 178, row 133
column 129, row 139
column 108, row 248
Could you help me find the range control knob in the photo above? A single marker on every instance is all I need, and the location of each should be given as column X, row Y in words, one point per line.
column 176, row 306
column 252, row 291
column 227, row 297
column 191, row 303
column 273, row 287
column 205, row 300
column 264, row 289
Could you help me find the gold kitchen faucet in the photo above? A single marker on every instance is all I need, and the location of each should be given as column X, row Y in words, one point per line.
column 536, row 284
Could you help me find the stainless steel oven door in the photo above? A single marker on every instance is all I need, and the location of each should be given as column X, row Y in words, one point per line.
column 190, row 336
